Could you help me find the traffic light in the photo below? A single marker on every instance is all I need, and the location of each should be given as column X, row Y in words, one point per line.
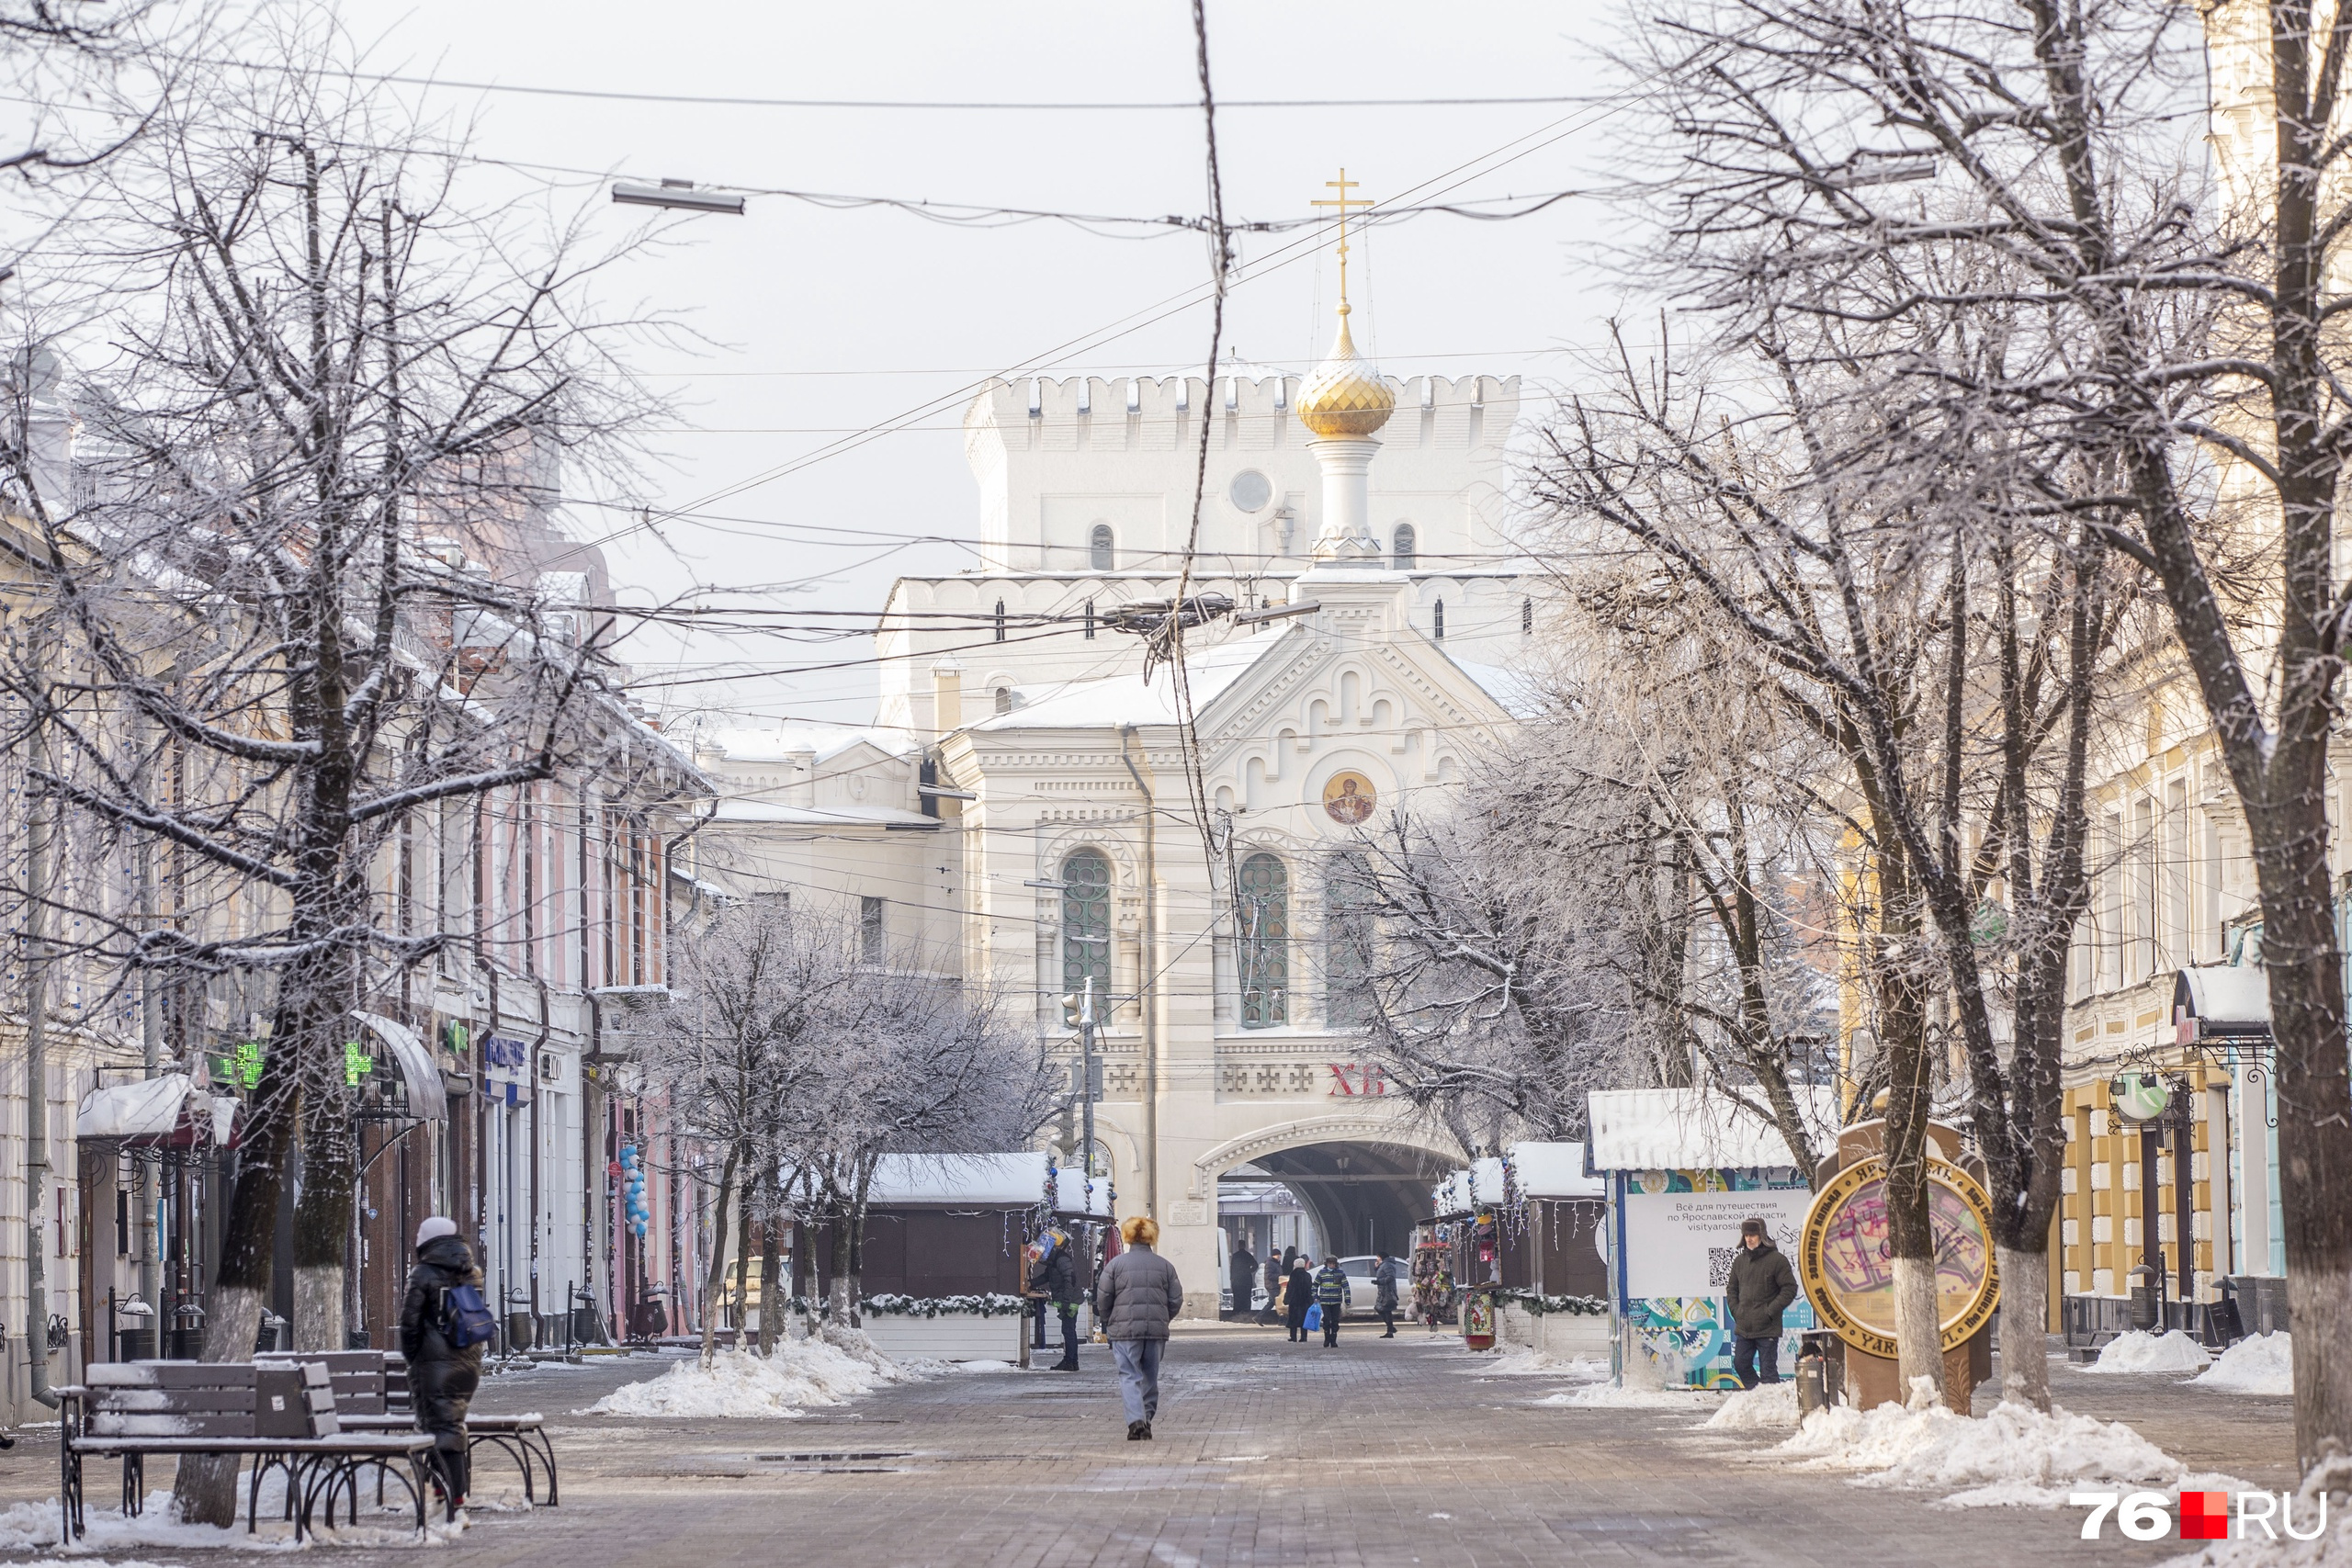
column 1077, row 1009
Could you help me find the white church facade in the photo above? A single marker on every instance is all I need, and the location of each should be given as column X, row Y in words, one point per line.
column 1021, row 807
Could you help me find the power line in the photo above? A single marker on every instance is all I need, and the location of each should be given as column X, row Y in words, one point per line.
column 1105, row 106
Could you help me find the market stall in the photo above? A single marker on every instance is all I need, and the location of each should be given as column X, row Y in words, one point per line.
column 941, row 1264
column 1682, row 1169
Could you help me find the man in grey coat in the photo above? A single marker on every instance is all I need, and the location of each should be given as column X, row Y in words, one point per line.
column 1137, row 1295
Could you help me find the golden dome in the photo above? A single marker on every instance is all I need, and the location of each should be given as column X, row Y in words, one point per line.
column 1345, row 396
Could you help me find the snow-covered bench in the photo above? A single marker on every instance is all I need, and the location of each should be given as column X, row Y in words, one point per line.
column 371, row 1394
column 283, row 1416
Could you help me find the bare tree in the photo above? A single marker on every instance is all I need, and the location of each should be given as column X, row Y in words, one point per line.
column 800, row 1060
column 2189, row 334
column 1846, row 541
column 327, row 389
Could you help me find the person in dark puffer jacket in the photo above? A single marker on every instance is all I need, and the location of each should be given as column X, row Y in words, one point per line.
column 1137, row 1295
column 1761, row 1288
column 441, row 1377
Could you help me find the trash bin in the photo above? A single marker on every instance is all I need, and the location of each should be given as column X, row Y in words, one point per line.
column 2146, row 1308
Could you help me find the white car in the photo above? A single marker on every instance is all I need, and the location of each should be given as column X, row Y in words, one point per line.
column 1362, row 1293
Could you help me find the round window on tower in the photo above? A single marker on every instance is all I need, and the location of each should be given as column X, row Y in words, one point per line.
column 1250, row 491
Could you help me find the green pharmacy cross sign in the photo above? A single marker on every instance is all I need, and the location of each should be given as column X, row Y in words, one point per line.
column 241, row 1065
column 357, row 1064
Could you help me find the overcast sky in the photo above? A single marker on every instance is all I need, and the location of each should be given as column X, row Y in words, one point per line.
column 827, row 321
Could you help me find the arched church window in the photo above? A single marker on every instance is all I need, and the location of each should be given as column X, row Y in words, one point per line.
column 1005, row 699
column 1098, row 549
column 1402, row 555
column 1346, row 943
column 1438, row 620
column 1000, row 620
column 1086, row 924
column 1526, row 616
column 1264, row 946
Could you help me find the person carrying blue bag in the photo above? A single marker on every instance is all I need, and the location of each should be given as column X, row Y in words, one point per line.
column 444, row 1325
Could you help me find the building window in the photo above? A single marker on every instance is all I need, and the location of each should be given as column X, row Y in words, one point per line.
column 869, row 929
column 1098, row 548
column 1402, row 555
column 1347, row 946
column 1000, row 620
column 1526, row 616
column 1264, row 912
column 1437, row 620
column 1005, row 699
column 1090, row 620
column 1086, row 924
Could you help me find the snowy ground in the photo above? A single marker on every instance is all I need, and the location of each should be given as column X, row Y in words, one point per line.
column 34, row 1525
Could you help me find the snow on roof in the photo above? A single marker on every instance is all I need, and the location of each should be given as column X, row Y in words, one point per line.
column 2227, row 999
column 1013, row 1181
column 777, row 744
column 1544, row 1170
column 153, row 1108
column 745, row 808
column 1515, row 692
column 1129, row 699
column 1692, row 1129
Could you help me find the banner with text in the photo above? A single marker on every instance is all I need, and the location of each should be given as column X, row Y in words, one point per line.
column 1681, row 1243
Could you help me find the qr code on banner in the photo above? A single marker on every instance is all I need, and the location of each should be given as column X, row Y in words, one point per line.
column 1719, row 1264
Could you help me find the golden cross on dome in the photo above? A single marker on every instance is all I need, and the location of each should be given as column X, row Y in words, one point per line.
column 1344, row 201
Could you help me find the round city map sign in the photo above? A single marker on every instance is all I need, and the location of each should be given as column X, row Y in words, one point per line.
column 1845, row 1261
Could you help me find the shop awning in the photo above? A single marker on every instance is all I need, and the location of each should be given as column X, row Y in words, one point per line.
column 169, row 1108
column 2227, row 1001
column 426, row 1099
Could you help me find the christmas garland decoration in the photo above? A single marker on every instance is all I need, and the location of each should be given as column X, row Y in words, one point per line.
column 1576, row 1306
column 992, row 1304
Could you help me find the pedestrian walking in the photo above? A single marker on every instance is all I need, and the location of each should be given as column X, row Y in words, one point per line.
column 1298, row 1292
column 442, row 1374
column 1274, row 1309
column 1387, row 1274
column 1055, row 1278
column 1761, row 1288
column 1245, row 1278
column 1139, row 1293
column 1331, row 1294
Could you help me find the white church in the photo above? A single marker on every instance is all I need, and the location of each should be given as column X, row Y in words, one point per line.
column 1018, row 743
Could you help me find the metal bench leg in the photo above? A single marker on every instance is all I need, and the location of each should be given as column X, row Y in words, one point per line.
column 547, row 1453
column 69, row 1487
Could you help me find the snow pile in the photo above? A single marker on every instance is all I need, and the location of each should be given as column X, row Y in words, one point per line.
column 2140, row 1351
column 1526, row 1362
column 1767, row 1407
column 2261, row 1363
column 2016, row 1456
column 833, row 1369
column 1609, row 1397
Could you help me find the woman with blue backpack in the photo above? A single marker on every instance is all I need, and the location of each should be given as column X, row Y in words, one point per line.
column 444, row 1325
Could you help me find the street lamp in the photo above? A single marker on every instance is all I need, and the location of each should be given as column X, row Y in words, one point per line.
column 680, row 194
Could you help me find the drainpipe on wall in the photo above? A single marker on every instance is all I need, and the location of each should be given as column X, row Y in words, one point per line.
column 1147, row 989
column 36, row 936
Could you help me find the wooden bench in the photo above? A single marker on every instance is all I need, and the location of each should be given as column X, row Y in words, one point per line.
column 371, row 1394
column 282, row 1415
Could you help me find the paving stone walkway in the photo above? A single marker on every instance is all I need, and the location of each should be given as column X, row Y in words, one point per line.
column 1380, row 1452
